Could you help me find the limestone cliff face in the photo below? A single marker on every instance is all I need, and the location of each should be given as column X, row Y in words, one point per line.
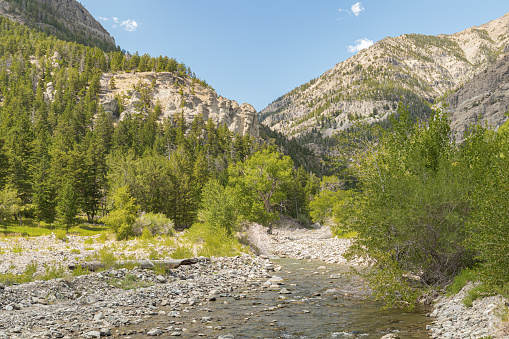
column 366, row 86
column 485, row 97
column 67, row 19
column 176, row 95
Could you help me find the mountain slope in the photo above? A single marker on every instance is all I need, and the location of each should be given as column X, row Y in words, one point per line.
column 66, row 19
column 413, row 68
column 485, row 97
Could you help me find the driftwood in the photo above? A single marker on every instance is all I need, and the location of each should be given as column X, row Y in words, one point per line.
column 144, row 264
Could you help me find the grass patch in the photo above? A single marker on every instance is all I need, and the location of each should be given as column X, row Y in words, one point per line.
column 460, row 281
column 31, row 229
column 78, row 271
column 130, row 282
column 182, row 252
column 28, row 275
column 54, row 272
column 214, row 242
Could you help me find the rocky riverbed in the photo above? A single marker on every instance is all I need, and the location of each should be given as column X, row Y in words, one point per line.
column 452, row 319
column 93, row 305
column 101, row 304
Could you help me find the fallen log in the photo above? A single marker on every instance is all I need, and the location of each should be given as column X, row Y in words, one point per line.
column 143, row 264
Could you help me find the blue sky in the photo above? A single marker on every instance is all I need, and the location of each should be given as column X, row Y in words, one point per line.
column 255, row 51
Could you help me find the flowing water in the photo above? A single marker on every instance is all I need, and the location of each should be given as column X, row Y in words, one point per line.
column 318, row 307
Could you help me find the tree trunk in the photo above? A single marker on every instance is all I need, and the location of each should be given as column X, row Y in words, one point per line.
column 144, row 264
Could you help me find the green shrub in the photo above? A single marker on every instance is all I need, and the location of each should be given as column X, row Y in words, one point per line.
column 79, row 270
column 153, row 223
column 106, row 257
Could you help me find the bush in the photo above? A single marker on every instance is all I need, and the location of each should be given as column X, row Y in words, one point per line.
column 154, row 223
column 123, row 215
column 411, row 208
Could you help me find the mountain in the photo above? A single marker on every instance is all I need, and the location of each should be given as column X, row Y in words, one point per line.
column 417, row 69
column 66, row 19
column 485, row 97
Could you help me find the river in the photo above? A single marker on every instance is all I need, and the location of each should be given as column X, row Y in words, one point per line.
column 318, row 306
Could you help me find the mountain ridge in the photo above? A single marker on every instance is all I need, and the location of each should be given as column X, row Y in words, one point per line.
column 66, row 19
column 416, row 69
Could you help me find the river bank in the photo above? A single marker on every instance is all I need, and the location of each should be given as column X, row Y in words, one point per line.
column 101, row 304
column 451, row 318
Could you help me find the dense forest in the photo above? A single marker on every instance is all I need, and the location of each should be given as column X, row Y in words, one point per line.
column 66, row 159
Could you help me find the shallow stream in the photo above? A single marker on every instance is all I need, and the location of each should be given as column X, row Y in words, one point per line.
column 318, row 306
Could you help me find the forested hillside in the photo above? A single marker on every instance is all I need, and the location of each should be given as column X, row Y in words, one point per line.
column 65, row 158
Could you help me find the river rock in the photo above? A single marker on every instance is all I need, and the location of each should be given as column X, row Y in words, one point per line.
column 93, row 334
column 161, row 279
column 284, row 291
column 154, row 332
column 105, row 332
column 390, row 336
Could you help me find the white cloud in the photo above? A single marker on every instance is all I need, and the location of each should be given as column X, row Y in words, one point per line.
column 360, row 45
column 115, row 19
column 103, row 18
column 129, row 25
column 357, row 8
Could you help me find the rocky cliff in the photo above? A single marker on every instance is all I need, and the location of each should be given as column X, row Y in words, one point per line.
column 411, row 67
column 485, row 98
column 66, row 19
column 122, row 94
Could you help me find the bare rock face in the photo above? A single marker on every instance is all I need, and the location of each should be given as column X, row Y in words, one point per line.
column 73, row 20
column 176, row 96
column 485, row 97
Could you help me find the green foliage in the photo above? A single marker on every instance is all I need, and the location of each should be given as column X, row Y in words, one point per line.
column 28, row 275
column 262, row 179
column 489, row 225
column 54, row 272
column 79, row 270
column 182, row 252
column 10, row 204
column 123, row 215
column 214, row 241
column 149, row 225
column 220, row 208
column 68, row 206
column 479, row 291
column 107, row 257
column 412, row 205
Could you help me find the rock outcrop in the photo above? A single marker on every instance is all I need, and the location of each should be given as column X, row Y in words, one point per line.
column 176, row 96
column 411, row 67
column 485, row 97
column 67, row 19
